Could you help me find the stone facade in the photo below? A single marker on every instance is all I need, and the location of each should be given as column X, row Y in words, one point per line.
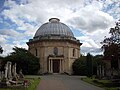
column 67, row 52
column 56, row 52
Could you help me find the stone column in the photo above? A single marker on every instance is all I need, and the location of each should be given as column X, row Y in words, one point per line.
column 51, row 66
column 60, row 66
column 63, row 65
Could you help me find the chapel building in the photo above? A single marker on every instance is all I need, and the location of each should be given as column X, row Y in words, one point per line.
column 55, row 46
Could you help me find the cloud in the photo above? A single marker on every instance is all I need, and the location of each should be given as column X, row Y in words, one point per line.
column 91, row 20
column 93, row 51
column 91, row 17
column 2, row 39
column 112, row 7
column 10, row 32
column 8, row 48
column 10, row 38
column 89, row 45
column 91, row 41
column 88, row 41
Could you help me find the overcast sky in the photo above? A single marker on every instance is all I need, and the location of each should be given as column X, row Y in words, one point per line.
column 89, row 20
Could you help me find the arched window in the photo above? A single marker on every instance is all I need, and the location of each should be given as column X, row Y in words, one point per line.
column 73, row 52
column 36, row 52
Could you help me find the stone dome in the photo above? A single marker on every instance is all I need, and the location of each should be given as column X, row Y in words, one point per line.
column 54, row 28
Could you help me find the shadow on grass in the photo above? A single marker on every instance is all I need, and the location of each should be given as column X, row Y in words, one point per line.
column 106, row 84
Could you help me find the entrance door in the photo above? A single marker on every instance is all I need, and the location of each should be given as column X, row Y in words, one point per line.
column 56, row 66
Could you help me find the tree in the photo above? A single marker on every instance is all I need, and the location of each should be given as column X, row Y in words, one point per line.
column 97, row 61
column 1, row 50
column 89, row 64
column 111, row 46
column 79, row 66
column 24, row 60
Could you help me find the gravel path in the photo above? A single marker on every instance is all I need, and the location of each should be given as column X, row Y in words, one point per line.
column 64, row 82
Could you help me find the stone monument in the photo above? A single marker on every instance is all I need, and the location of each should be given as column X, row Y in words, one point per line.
column 10, row 76
column 9, row 70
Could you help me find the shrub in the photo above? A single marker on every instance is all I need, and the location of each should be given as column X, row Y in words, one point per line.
column 79, row 66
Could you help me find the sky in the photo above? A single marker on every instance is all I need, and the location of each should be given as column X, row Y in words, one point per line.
column 89, row 20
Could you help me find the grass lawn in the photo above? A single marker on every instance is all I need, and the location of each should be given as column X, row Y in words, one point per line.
column 107, row 84
column 34, row 81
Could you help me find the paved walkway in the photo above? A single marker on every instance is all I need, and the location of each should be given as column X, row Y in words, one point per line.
column 64, row 82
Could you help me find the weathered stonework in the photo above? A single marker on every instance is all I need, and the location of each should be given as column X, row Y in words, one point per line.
column 56, row 54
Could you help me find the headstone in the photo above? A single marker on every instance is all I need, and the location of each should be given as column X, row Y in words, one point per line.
column 10, row 75
column 103, row 72
column 98, row 71
column 15, row 78
column 0, row 74
column 21, row 74
column 9, row 70
column 6, row 70
column 15, row 69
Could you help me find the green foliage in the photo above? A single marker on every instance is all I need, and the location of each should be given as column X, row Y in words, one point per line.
column 89, row 65
column 1, row 50
column 97, row 60
column 25, row 61
column 111, row 46
column 1, row 58
column 79, row 66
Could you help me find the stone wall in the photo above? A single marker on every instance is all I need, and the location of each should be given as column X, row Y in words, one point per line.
column 65, row 48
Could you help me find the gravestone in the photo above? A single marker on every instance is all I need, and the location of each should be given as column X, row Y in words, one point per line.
column 2, row 75
column 21, row 74
column 9, row 70
column 6, row 70
column 15, row 78
column 10, row 77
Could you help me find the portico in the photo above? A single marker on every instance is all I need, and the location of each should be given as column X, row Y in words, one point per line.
column 55, row 65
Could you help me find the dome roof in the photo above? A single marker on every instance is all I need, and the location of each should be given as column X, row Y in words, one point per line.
column 54, row 28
